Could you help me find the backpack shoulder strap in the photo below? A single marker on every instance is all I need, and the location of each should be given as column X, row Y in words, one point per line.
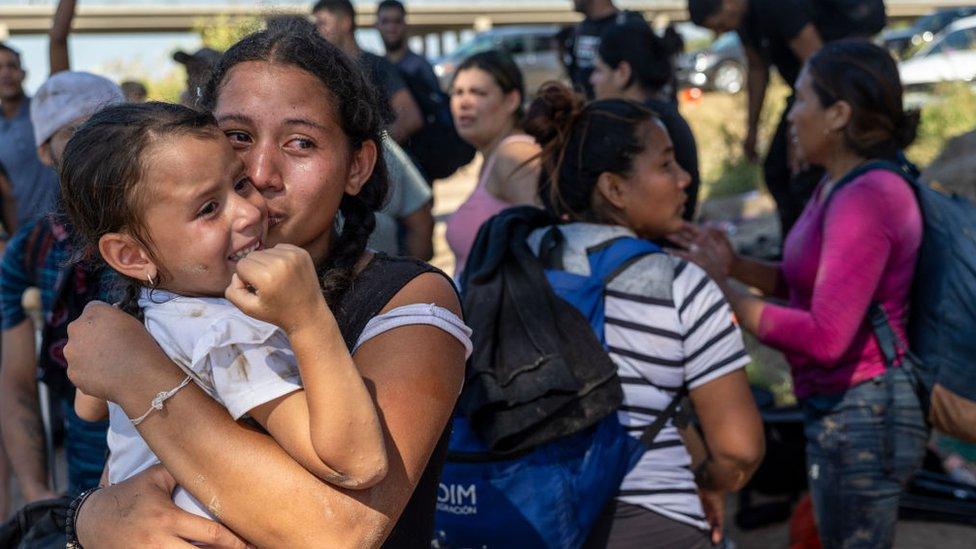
column 609, row 259
column 904, row 169
column 551, row 249
column 887, row 339
column 652, row 430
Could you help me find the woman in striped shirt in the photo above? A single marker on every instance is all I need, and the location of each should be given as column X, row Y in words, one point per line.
column 611, row 173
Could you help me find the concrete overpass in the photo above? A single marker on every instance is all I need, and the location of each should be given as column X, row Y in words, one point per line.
column 430, row 18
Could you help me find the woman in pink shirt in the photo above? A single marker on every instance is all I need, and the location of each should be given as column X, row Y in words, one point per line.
column 486, row 102
column 849, row 249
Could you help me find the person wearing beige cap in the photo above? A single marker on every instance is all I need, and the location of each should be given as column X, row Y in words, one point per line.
column 39, row 255
column 62, row 103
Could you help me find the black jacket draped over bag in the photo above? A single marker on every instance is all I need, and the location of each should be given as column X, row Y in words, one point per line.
column 538, row 372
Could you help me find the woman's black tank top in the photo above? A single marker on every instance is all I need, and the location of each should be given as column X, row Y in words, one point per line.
column 369, row 292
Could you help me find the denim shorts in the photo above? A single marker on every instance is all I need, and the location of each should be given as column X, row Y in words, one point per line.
column 863, row 446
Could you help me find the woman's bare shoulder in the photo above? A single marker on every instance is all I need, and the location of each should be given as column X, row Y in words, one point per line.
column 430, row 287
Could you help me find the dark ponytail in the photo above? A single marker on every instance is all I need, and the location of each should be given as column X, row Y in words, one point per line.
column 359, row 114
column 581, row 142
column 866, row 77
column 650, row 57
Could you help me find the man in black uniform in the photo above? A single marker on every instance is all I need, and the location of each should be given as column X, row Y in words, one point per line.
column 437, row 148
column 784, row 34
column 584, row 42
column 780, row 33
column 336, row 22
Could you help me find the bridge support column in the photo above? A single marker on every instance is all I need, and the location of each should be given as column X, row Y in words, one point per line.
column 482, row 23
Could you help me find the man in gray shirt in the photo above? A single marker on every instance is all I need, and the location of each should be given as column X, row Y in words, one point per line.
column 35, row 186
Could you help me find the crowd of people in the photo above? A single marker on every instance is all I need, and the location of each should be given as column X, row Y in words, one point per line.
column 244, row 344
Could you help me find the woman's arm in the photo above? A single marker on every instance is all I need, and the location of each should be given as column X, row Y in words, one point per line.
column 140, row 513
column 285, row 505
column 733, row 431
column 90, row 408
column 714, row 373
column 515, row 174
column 58, row 36
column 764, row 276
column 20, row 412
column 8, row 203
column 863, row 225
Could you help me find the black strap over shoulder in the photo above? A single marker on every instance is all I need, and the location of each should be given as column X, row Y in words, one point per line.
column 551, row 249
column 652, row 430
column 888, row 341
column 903, row 168
column 372, row 289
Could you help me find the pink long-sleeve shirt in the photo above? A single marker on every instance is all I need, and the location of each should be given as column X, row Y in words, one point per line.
column 862, row 247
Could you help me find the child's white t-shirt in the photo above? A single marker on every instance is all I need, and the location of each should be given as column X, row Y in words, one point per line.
column 241, row 362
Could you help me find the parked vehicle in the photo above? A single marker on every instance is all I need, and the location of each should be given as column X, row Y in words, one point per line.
column 950, row 57
column 533, row 47
column 903, row 41
column 720, row 67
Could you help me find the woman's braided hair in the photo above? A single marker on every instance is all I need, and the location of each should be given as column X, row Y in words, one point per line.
column 359, row 113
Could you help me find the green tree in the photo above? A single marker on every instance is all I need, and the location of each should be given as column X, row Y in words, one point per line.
column 223, row 31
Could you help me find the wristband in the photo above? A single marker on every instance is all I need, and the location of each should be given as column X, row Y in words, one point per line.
column 71, row 519
column 159, row 400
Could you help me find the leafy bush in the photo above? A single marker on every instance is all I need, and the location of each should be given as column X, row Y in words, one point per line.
column 224, row 31
column 951, row 111
column 734, row 174
column 718, row 122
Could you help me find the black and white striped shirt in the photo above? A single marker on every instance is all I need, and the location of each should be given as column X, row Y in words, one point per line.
column 667, row 325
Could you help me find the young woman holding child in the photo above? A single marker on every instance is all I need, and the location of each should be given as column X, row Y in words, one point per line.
column 139, row 182
column 305, row 124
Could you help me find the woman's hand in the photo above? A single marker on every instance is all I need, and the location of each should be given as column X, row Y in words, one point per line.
column 104, row 350
column 140, row 513
column 713, row 503
column 279, row 286
column 707, row 247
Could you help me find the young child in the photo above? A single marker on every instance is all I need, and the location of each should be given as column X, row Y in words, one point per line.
column 157, row 191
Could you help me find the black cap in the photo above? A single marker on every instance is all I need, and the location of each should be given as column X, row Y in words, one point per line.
column 205, row 56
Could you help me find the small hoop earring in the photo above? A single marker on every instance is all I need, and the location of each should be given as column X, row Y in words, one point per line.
column 152, row 283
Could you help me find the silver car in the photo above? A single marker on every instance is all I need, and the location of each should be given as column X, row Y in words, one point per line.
column 950, row 57
column 534, row 49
